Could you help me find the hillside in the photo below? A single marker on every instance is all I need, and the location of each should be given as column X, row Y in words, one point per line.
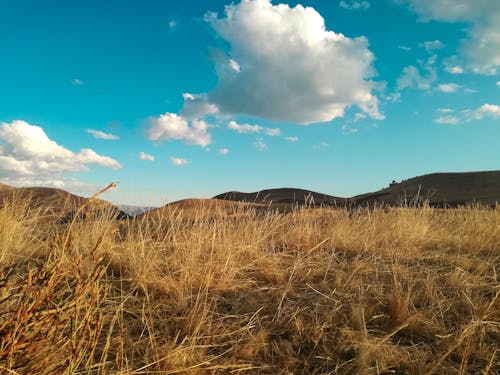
column 283, row 196
column 439, row 189
column 56, row 203
column 191, row 208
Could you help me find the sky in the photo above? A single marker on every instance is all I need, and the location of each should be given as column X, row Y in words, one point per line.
column 178, row 99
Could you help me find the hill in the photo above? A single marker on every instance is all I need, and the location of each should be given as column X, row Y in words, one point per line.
column 57, row 203
column 439, row 189
column 284, row 196
column 196, row 208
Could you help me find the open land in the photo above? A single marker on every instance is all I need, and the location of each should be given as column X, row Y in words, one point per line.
column 211, row 286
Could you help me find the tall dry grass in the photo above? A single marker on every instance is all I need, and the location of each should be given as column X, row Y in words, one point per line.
column 316, row 291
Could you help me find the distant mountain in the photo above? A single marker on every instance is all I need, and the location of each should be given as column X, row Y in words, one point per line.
column 134, row 210
column 439, row 189
column 57, row 203
column 284, row 196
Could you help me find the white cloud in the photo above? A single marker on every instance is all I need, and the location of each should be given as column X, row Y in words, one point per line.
column 248, row 128
column 244, row 128
column 447, row 120
column 404, row 48
column 234, row 65
column 484, row 111
column 346, row 129
column 412, row 77
column 101, row 135
column 273, row 132
column 292, row 139
column 89, row 156
column 448, row 87
column 171, row 126
column 359, row 116
column 481, row 47
column 445, row 110
column 453, row 69
column 354, row 5
column 196, row 106
column 68, row 184
column 432, row 45
column 76, row 82
column 144, row 156
column 28, row 154
column 260, row 145
column 178, row 161
column 290, row 68
column 172, row 23
column 223, row 151
column 498, row 83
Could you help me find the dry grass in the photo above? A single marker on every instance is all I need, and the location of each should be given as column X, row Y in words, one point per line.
column 384, row 291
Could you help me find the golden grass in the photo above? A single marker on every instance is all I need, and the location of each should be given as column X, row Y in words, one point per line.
column 315, row 291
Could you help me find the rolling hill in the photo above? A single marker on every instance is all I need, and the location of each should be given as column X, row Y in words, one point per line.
column 197, row 208
column 57, row 203
column 279, row 196
column 438, row 189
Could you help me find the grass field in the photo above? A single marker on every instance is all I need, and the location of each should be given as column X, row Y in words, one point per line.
column 315, row 291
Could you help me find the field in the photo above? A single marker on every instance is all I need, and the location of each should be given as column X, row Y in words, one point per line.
column 315, row 291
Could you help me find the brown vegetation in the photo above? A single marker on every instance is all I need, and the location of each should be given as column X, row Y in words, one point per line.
column 399, row 290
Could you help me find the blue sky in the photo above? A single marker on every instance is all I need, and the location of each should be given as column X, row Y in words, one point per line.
column 191, row 99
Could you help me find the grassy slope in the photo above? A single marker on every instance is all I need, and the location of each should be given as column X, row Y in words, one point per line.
column 55, row 203
column 441, row 188
column 283, row 195
column 406, row 291
column 438, row 189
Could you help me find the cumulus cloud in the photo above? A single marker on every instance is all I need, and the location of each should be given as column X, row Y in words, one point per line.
column 101, row 135
column 88, row 156
column 284, row 65
column 144, row 156
column 498, row 83
column 28, row 154
column 354, row 5
column 178, row 161
column 223, row 151
column 481, row 48
column 404, row 48
column 292, row 139
column 448, row 87
column 174, row 127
